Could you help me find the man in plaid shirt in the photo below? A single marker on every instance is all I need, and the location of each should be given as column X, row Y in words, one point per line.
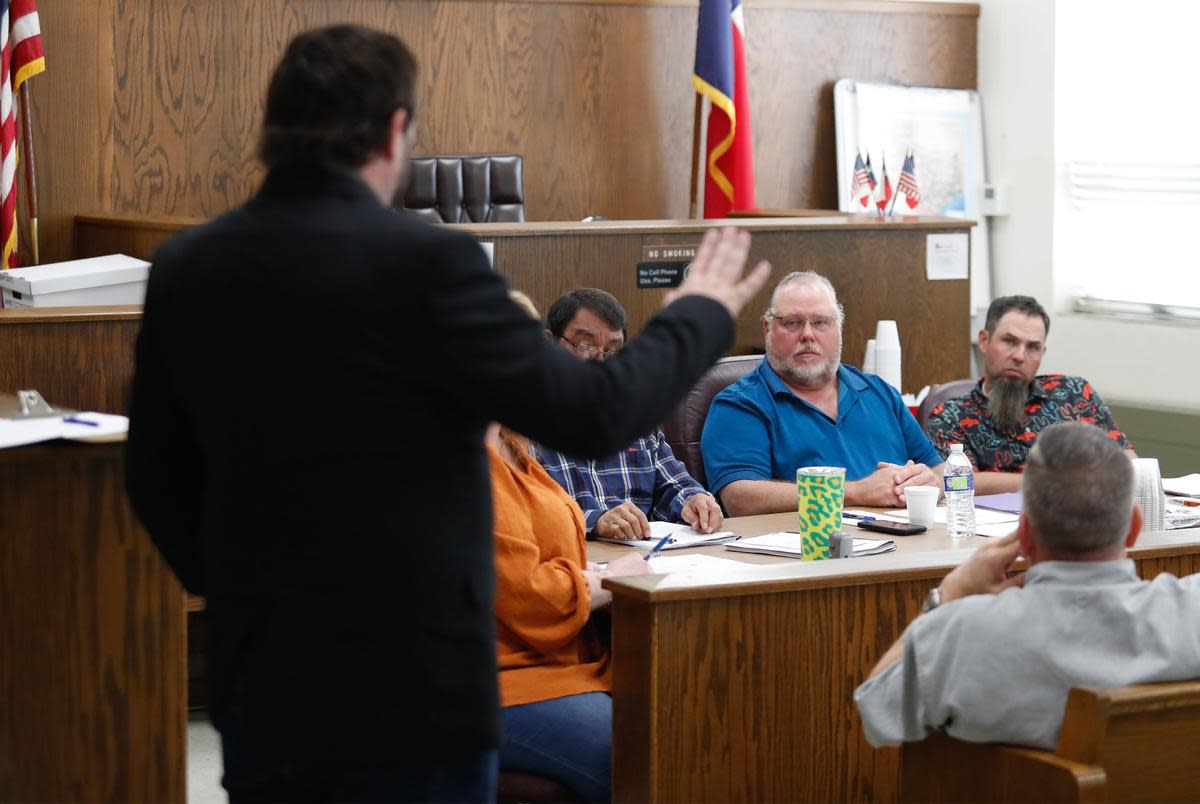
column 620, row 494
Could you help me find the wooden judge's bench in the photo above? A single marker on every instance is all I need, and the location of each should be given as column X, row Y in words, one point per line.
column 92, row 624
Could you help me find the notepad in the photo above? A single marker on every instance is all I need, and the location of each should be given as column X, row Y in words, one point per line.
column 788, row 545
column 1186, row 486
column 682, row 536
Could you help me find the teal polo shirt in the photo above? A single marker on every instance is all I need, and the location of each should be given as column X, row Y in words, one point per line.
column 757, row 429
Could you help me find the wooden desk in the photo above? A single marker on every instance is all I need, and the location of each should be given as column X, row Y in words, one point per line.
column 739, row 688
column 92, row 646
column 876, row 264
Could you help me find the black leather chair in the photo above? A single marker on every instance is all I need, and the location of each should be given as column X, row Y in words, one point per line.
column 939, row 394
column 686, row 424
column 484, row 188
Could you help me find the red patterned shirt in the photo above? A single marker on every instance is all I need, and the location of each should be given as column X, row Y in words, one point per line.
column 1053, row 398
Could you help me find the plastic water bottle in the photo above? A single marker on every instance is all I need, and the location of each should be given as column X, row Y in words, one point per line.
column 958, row 480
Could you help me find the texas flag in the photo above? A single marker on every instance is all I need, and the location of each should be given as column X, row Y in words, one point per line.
column 883, row 191
column 720, row 76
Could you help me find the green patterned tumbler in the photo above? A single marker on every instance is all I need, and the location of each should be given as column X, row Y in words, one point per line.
column 820, row 491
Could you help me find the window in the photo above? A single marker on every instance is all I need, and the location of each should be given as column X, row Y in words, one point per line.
column 1127, row 218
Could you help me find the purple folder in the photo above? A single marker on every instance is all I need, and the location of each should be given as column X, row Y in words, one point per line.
column 1010, row 502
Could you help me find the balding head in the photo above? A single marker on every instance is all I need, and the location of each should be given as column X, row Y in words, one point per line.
column 1078, row 491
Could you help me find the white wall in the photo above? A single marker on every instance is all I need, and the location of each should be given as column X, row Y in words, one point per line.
column 1134, row 363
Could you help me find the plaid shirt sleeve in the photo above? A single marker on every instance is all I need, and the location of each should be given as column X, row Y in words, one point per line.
column 673, row 486
column 578, row 479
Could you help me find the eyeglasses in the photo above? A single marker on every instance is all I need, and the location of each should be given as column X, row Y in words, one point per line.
column 587, row 350
column 796, row 323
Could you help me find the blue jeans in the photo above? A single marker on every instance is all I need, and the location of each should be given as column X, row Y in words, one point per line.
column 470, row 779
column 566, row 739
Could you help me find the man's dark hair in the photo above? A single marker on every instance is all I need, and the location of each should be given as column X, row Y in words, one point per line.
column 1026, row 305
column 332, row 97
column 604, row 305
column 1078, row 489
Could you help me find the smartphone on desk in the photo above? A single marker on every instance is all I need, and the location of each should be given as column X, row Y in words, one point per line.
column 891, row 528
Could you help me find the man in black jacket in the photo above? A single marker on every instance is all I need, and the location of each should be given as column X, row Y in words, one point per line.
column 314, row 374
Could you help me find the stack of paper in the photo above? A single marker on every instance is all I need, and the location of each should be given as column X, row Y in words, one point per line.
column 788, row 545
column 77, row 426
column 1186, row 486
column 681, row 536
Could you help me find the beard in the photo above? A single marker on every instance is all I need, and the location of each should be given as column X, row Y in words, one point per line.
column 1006, row 401
column 806, row 376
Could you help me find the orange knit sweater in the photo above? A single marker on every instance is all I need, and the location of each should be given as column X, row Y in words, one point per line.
column 545, row 645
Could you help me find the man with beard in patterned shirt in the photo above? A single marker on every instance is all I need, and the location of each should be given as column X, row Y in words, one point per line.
column 999, row 420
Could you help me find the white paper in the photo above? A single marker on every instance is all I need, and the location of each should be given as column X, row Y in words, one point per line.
column 490, row 250
column 17, row 432
column 696, row 563
column 946, row 256
column 983, row 516
column 682, row 536
column 1188, row 485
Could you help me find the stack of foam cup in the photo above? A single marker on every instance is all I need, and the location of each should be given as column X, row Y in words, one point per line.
column 868, row 365
column 887, row 353
column 1148, row 493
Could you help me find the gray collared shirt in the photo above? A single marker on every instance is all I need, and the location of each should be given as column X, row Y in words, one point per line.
column 997, row 668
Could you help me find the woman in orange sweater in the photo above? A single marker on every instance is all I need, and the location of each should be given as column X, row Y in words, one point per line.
column 554, row 672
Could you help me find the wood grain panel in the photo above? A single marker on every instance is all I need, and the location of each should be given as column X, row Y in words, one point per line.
column 76, row 357
column 742, row 689
column 878, row 267
column 92, row 674
column 152, row 107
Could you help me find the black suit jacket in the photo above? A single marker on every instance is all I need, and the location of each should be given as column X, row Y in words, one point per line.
column 314, row 374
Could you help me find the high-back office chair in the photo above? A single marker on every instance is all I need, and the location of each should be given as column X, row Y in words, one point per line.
column 1126, row 744
column 484, row 188
column 686, row 424
column 939, row 394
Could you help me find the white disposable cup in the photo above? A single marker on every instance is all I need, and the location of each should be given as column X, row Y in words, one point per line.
column 887, row 334
column 922, row 503
column 868, row 366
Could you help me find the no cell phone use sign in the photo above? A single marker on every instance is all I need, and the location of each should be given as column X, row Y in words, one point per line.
column 664, row 266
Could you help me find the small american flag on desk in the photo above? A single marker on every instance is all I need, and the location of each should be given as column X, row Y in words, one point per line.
column 908, row 182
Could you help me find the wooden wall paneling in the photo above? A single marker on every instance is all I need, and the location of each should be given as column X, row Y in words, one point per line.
column 152, row 108
column 77, row 357
column 71, row 103
column 92, row 674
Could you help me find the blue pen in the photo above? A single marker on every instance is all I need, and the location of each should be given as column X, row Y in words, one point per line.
column 863, row 517
column 663, row 542
column 73, row 420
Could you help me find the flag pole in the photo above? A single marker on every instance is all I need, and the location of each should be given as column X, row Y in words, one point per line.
column 30, row 171
column 896, row 194
column 695, row 155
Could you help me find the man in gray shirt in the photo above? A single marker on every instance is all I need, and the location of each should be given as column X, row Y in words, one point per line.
column 992, row 657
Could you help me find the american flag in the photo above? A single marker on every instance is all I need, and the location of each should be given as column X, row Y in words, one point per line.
column 860, row 188
column 908, row 183
column 21, row 55
column 883, row 193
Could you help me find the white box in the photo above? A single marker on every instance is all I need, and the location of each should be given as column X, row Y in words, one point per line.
column 113, row 279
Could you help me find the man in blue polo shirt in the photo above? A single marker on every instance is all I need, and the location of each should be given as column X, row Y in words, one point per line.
column 802, row 407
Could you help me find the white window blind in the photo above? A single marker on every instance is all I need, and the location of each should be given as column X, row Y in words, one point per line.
column 1127, row 117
